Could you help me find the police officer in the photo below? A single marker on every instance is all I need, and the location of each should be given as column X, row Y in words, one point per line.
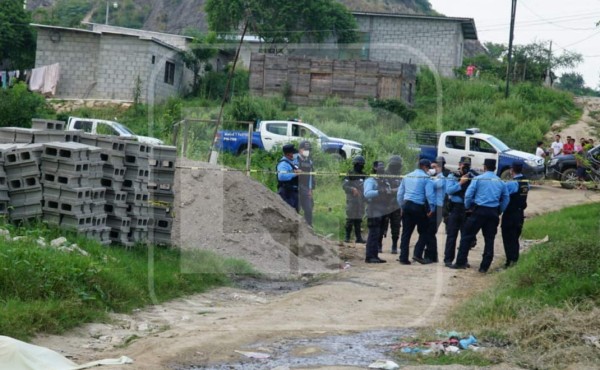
column 456, row 187
column 306, row 181
column 514, row 215
column 353, row 185
column 393, row 216
column 489, row 197
column 438, row 186
column 287, row 176
column 376, row 192
column 416, row 198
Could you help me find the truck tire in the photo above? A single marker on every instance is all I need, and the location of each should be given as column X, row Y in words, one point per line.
column 568, row 179
column 244, row 151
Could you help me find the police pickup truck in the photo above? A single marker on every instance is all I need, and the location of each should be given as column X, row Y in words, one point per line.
column 453, row 145
column 104, row 127
column 269, row 134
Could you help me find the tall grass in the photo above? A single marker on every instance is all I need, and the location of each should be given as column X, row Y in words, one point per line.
column 547, row 301
column 47, row 290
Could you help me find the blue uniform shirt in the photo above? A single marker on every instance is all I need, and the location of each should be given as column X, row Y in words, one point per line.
column 285, row 171
column 415, row 188
column 438, row 186
column 453, row 187
column 370, row 188
column 487, row 190
column 513, row 186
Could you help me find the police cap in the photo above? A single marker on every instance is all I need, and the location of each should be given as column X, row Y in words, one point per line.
column 289, row 148
column 489, row 163
column 305, row 144
column 465, row 160
column 425, row 163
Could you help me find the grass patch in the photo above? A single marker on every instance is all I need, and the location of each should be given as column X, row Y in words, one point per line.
column 542, row 307
column 46, row 290
column 467, row 358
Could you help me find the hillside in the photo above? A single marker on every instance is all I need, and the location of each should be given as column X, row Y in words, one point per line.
column 174, row 16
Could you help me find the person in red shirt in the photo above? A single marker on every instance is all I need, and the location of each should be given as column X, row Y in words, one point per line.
column 569, row 147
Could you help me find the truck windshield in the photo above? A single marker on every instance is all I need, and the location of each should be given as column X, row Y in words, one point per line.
column 122, row 129
column 498, row 144
column 316, row 131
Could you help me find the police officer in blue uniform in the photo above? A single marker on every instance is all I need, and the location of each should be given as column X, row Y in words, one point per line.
column 456, row 187
column 353, row 186
column 438, row 185
column 488, row 197
column 375, row 194
column 416, row 198
column 514, row 215
column 306, row 181
column 287, row 176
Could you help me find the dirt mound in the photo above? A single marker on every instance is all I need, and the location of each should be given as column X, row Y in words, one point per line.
column 235, row 216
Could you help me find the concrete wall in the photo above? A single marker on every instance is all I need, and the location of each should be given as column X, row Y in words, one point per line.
column 106, row 66
column 77, row 53
column 420, row 41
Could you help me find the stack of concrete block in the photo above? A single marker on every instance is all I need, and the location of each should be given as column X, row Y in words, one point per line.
column 48, row 124
column 49, row 131
column 162, row 195
column 73, row 196
column 4, row 197
column 22, row 168
column 137, row 174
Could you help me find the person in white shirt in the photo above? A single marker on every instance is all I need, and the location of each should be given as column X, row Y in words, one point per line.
column 557, row 146
column 539, row 151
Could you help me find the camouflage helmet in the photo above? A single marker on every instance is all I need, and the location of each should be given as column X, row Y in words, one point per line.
column 359, row 159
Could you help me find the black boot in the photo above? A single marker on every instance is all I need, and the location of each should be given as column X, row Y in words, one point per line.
column 358, row 232
column 348, row 231
column 395, row 246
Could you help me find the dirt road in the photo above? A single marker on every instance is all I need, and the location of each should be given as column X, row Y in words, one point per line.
column 204, row 330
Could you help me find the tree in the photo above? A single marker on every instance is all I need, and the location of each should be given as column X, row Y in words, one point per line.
column 201, row 49
column 280, row 22
column 571, row 82
column 17, row 38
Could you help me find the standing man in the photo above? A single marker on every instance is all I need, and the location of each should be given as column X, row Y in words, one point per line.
column 394, row 213
column 375, row 195
column 557, row 146
column 353, row 186
column 514, row 215
column 287, row 176
column 456, row 187
column 539, row 151
column 438, row 187
column 417, row 201
column 306, row 181
column 489, row 197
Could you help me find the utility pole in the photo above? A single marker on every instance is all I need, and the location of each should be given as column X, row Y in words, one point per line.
column 106, row 18
column 513, row 14
column 548, row 81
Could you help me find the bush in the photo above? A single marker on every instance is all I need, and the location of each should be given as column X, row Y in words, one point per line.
column 19, row 106
column 247, row 108
column 212, row 84
column 394, row 106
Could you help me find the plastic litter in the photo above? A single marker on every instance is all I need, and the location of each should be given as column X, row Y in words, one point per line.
column 384, row 364
column 257, row 355
column 592, row 340
column 452, row 349
column 466, row 342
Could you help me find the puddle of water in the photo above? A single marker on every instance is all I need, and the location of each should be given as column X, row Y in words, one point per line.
column 359, row 349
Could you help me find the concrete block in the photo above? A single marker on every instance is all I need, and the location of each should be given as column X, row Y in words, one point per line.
column 67, row 151
column 21, row 154
column 138, row 236
column 5, row 148
column 164, row 198
column 160, row 212
column 17, row 135
column 78, row 222
column 116, row 196
column 29, row 213
column 134, row 185
column 99, row 220
column 67, row 180
column 137, row 174
column 74, row 168
column 26, row 197
column 161, row 164
column 110, row 143
column 26, row 183
column 23, row 170
column 120, row 237
column 138, row 197
column 163, row 153
column 140, row 223
column 138, row 210
column 117, row 173
column 139, row 161
column 83, row 194
column 65, row 207
column 120, row 223
column 115, row 159
column 4, row 208
column 164, row 224
column 160, row 237
column 99, row 194
column 111, row 184
column 47, row 124
column 115, row 210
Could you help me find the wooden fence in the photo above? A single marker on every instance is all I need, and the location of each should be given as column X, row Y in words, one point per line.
column 308, row 81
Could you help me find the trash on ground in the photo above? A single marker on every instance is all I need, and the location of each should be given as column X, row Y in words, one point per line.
column 592, row 340
column 257, row 355
column 384, row 364
column 454, row 344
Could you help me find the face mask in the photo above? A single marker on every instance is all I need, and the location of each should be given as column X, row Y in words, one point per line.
column 305, row 153
column 431, row 172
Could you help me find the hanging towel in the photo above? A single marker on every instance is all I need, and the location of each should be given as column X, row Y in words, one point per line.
column 36, row 81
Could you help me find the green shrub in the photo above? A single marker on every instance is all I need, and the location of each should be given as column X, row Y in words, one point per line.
column 394, row 106
column 19, row 106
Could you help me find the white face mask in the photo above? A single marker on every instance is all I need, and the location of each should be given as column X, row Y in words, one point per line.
column 305, row 153
column 431, row 172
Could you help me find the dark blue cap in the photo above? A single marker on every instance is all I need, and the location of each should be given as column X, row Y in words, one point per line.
column 425, row 163
column 289, row 148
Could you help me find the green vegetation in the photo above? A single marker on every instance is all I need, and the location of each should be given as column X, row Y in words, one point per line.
column 17, row 37
column 573, row 82
column 19, row 106
column 467, row 358
column 548, row 301
column 47, row 290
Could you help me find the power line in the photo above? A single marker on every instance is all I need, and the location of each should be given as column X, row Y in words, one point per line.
column 524, row 3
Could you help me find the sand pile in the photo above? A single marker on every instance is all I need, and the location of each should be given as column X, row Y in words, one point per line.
column 235, row 216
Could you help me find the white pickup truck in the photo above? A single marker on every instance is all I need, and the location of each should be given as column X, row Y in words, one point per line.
column 453, row 145
column 104, row 127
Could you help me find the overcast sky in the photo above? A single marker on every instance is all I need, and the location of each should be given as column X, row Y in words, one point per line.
column 570, row 25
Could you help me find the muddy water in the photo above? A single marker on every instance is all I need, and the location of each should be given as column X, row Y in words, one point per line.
column 359, row 350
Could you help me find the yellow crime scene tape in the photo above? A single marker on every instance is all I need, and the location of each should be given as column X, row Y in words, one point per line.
column 588, row 184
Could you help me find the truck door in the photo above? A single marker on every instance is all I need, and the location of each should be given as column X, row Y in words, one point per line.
column 274, row 133
column 479, row 150
column 301, row 132
column 452, row 148
column 85, row 126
